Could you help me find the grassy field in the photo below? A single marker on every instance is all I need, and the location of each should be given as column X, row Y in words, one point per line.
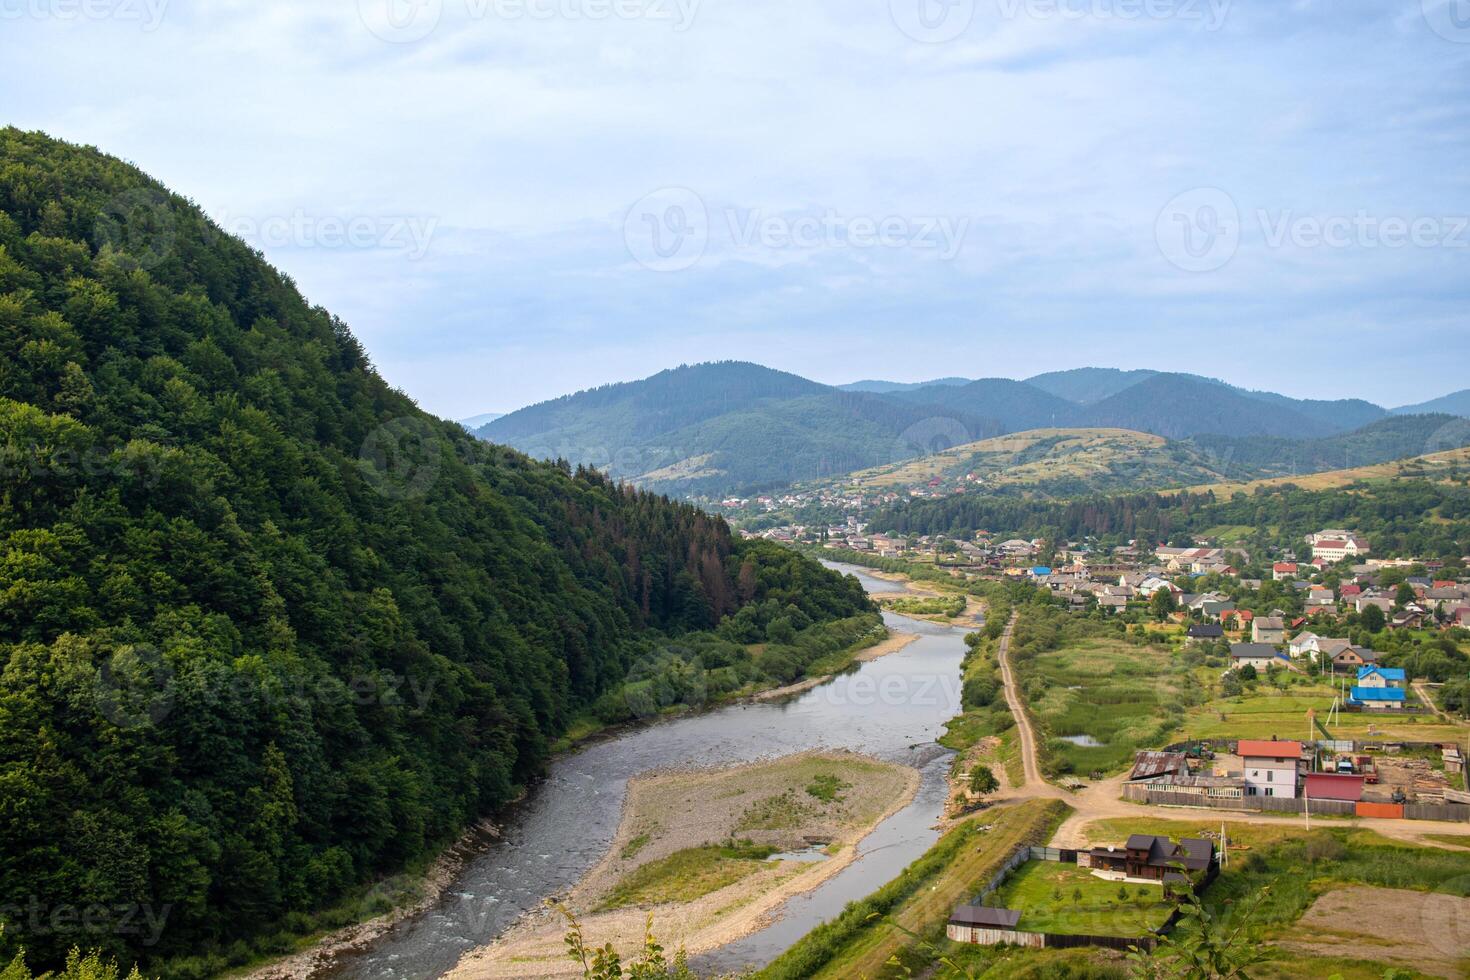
column 860, row 941
column 1125, row 697
column 688, row 874
column 1062, row 898
column 1295, row 869
column 1439, row 466
column 1267, row 712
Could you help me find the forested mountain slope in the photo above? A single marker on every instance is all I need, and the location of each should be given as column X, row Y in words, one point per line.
column 266, row 629
column 732, row 427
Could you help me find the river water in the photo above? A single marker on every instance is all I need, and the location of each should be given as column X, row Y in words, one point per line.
column 892, row 708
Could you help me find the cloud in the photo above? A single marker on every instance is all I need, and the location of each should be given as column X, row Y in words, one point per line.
column 525, row 138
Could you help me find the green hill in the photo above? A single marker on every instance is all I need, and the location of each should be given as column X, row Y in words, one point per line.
column 267, row 630
column 1056, row 462
column 731, row 427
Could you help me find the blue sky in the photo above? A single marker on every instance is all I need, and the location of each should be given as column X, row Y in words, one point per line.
column 513, row 199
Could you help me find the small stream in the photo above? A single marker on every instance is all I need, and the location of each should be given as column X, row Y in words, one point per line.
column 892, row 708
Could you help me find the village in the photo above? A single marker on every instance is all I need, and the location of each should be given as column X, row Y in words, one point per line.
column 1313, row 721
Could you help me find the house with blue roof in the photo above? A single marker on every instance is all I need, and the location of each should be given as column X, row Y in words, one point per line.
column 1374, row 676
column 1378, row 697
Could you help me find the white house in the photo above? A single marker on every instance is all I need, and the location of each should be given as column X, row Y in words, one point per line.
column 1270, row 768
column 1257, row 655
column 1335, row 544
column 1268, row 629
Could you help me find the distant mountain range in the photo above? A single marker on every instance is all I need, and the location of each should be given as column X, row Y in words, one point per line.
column 735, row 428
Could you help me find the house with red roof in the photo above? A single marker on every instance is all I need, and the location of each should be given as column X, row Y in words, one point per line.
column 1271, row 768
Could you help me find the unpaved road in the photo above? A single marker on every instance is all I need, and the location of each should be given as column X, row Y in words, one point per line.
column 1102, row 800
column 1035, row 785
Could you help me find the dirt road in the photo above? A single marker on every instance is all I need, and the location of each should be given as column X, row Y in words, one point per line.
column 1034, row 785
column 1102, row 800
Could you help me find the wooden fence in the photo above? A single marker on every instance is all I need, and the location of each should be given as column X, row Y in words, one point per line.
column 1141, row 793
column 1002, row 937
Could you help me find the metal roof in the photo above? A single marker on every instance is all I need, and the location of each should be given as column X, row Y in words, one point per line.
column 979, row 915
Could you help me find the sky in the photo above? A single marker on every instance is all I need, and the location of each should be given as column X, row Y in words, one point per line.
column 509, row 200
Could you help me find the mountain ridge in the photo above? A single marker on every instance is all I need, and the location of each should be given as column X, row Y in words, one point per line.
column 737, row 427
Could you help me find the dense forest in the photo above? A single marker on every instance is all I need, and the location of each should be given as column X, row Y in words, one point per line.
column 267, row 630
column 1409, row 516
column 716, row 428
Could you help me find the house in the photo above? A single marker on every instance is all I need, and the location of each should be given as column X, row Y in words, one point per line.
column 1378, row 697
column 1115, row 603
column 1444, row 597
column 1303, row 644
column 1154, row 583
column 1206, row 633
column 1332, row 786
column 1215, row 608
column 1257, row 655
column 1150, row 858
column 1284, row 571
column 1350, row 658
column 1409, row 619
column 1268, row 629
column 1365, row 600
column 1270, row 768
column 1153, row 765
column 1321, row 600
column 1236, row 618
column 984, row 926
column 1462, row 617
column 1335, row 545
column 1381, row 677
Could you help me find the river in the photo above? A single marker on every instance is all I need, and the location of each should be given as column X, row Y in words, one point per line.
column 893, row 708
